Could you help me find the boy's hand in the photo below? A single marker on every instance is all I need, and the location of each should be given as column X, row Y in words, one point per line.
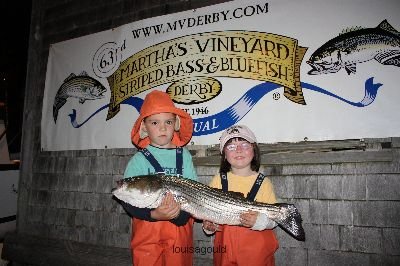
column 168, row 209
column 249, row 218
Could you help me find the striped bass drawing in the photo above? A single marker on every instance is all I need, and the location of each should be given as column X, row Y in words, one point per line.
column 204, row 202
column 357, row 46
column 82, row 87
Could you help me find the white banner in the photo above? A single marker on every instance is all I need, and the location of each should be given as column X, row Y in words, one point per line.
column 290, row 70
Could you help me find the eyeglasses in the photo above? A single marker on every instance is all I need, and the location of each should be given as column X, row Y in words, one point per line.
column 244, row 146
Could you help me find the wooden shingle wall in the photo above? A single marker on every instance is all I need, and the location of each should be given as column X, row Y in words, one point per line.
column 347, row 191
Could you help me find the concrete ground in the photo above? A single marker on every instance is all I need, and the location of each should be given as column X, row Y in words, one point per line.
column 2, row 262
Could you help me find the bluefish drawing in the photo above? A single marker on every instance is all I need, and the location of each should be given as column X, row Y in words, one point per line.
column 357, row 46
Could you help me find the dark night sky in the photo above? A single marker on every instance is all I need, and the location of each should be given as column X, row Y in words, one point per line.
column 15, row 24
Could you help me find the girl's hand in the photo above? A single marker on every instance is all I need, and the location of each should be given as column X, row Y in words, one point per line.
column 248, row 219
column 210, row 227
column 168, row 209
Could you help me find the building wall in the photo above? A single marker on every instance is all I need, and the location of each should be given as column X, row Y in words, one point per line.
column 346, row 191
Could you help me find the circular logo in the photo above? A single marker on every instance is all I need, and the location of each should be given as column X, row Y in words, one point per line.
column 106, row 59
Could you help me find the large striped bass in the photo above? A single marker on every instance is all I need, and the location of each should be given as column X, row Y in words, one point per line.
column 204, row 202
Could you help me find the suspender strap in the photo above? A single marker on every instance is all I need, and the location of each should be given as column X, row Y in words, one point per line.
column 152, row 160
column 224, row 181
column 256, row 186
column 157, row 166
column 179, row 161
column 254, row 189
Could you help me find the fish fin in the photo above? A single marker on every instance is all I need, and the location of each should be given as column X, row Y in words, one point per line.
column 384, row 25
column 350, row 29
column 58, row 103
column 236, row 194
column 83, row 74
column 389, row 58
column 394, row 61
column 82, row 100
column 232, row 193
column 71, row 76
column 351, row 69
column 292, row 223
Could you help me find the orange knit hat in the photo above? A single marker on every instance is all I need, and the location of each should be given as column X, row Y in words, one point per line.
column 159, row 102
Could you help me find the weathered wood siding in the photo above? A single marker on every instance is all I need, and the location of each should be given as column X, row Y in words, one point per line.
column 347, row 191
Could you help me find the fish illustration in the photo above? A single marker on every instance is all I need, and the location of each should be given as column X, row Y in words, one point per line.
column 357, row 46
column 204, row 202
column 82, row 87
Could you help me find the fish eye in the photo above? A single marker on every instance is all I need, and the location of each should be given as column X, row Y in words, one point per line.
column 326, row 62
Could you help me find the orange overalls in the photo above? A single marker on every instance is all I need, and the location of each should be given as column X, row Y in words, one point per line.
column 236, row 245
column 246, row 247
column 169, row 244
column 162, row 243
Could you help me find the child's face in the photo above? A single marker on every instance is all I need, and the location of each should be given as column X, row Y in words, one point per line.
column 239, row 153
column 160, row 128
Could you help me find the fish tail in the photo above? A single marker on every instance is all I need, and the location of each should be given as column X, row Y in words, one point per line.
column 292, row 221
column 58, row 103
column 55, row 113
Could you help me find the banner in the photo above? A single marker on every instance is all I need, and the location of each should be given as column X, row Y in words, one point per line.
column 291, row 71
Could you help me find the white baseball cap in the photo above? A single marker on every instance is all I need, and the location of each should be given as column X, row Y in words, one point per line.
column 236, row 131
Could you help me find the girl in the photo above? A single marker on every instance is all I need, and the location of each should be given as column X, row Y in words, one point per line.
column 252, row 243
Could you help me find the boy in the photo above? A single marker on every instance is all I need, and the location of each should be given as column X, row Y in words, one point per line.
column 160, row 132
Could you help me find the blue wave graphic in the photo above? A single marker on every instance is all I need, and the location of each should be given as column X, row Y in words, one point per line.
column 133, row 101
column 371, row 90
column 235, row 112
